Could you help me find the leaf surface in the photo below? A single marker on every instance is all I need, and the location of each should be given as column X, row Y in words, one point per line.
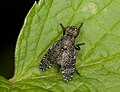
column 98, row 61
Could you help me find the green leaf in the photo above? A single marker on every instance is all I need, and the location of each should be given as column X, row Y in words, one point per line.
column 98, row 61
column 5, row 85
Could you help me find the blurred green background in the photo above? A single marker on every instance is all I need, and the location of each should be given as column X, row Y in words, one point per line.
column 11, row 20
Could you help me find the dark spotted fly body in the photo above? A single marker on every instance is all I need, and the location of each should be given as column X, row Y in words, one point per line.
column 63, row 53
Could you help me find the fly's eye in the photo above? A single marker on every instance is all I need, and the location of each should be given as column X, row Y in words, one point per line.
column 73, row 29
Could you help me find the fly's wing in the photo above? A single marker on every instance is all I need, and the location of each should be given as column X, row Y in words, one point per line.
column 67, row 58
column 68, row 66
column 50, row 57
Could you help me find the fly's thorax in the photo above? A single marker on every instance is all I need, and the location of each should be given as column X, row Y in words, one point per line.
column 67, row 42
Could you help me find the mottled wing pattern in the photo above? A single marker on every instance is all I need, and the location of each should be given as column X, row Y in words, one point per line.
column 50, row 57
column 67, row 58
column 68, row 67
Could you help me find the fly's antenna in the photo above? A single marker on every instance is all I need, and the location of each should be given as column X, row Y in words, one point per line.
column 63, row 28
column 80, row 27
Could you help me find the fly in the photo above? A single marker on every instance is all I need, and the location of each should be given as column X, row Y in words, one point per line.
column 63, row 53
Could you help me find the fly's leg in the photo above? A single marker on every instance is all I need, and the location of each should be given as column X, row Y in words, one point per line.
column 77, row 71
column 63, row 28
column 58, row 68
column 79, row 29
column 77, row 47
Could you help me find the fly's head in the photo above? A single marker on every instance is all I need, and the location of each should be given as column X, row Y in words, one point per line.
column 71, row 30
